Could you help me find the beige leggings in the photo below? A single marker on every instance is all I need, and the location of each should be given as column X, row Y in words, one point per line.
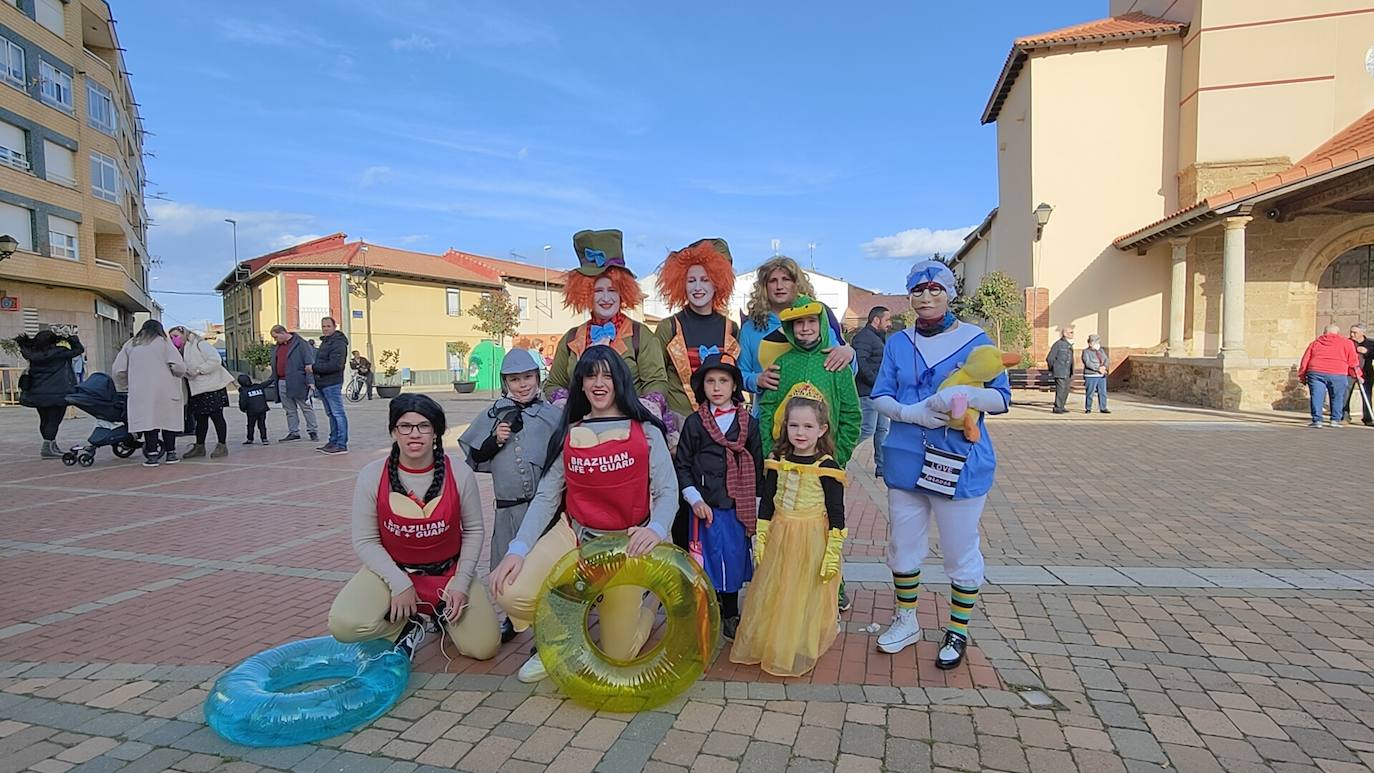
column 359, row 614
column 625, row 623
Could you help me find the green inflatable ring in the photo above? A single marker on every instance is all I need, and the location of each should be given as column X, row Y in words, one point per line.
column 586, row 674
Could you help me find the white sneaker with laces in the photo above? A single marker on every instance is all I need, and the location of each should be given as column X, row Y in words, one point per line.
column 533, row 670
column 903, row 632
column 412, row 636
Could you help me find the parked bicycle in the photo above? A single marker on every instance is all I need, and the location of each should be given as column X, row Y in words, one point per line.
column 357, row 388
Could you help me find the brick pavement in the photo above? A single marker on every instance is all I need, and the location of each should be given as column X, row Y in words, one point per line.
column 1176, row 590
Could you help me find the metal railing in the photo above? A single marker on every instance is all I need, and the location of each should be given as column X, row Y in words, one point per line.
column 309, row 316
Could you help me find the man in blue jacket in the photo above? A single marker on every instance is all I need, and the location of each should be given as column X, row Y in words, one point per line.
column 330, row 361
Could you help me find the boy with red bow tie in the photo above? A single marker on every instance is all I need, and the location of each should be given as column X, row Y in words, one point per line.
column 719, row 464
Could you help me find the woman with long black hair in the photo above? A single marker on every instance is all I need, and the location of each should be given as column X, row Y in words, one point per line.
column 417, row 526
column 609, row 471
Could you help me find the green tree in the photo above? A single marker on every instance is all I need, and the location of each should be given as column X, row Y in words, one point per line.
column 998, row 302
column 497, row 316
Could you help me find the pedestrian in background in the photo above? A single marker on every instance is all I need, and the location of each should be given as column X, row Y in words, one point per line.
column 328, row 370
column 1364, row 348
column 1095, row 362
column 48, row 380
column 1327, row 367
column 1060, row 362
column 868, row 345
column 363, row 367
column 207, row 383
column 290, row 357
column 150, row 369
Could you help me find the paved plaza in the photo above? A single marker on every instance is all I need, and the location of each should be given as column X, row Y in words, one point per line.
column 1168, row 588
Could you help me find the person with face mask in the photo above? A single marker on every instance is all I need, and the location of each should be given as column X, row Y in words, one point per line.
column 206, row 382
column 1095, row 371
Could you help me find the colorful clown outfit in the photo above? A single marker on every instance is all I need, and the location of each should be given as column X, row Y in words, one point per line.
column 923, row 456
column 689, row 337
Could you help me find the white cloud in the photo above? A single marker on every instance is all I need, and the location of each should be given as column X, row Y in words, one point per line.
column 411, row 238
column 415, row 42
column 373, row 175
column 523, row 154
column 275, row 35
column 290, row 240
column 917, row 242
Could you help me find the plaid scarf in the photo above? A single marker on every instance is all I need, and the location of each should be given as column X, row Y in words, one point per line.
column 739, row 465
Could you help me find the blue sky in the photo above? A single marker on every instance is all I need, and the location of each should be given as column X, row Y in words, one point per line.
column 499, row 127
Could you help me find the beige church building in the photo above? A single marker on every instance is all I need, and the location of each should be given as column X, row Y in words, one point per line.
column 1194, row 181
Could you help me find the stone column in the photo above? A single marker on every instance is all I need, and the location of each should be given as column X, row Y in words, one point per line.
column 1178, row 295
column 1233, row 289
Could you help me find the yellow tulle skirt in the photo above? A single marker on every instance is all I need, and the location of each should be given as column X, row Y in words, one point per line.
column 790, row 617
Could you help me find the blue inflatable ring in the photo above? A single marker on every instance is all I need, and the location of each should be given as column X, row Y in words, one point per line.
column 254, row 704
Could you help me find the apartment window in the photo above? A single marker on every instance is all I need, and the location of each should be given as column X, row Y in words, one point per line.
column 523, row 304
column 49, row 14
column 62, row 237
column 100, row 107
column 13, row 146
column 59, row 163
column 12, row 63
column 313, row 296
column 56, row 86
column 17, row 222
column 454, row 301
column 104, row 177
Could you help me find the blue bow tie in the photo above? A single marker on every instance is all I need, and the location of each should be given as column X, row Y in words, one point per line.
column 602, row 334
column 707, row 351
column 595, row 256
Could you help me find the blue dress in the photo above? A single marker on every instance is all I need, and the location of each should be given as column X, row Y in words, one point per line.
column 725, row 548
column 913, row 369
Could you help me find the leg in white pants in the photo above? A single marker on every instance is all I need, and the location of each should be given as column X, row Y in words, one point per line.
column 908, row 540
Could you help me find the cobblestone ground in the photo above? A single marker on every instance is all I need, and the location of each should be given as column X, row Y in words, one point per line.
column 1168, row 588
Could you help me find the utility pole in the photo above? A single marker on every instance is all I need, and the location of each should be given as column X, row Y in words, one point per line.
column 812, row 247
column 367, row 302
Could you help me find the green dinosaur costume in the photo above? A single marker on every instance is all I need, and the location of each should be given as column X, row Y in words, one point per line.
column 797, row 364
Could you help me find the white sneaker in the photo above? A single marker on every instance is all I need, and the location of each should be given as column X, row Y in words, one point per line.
column 412, row 636
column 903, row 632
column 533, row 670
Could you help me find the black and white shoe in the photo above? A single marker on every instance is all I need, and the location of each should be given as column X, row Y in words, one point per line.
column 412, row 636
column 951, row 651
column 507, row 631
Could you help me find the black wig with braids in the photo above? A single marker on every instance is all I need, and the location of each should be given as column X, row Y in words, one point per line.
column 599, row 359
column 431, row 410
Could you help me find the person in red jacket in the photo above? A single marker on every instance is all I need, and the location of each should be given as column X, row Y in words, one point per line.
column 1327, row 368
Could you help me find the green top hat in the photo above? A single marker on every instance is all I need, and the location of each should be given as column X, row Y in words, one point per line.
column 718, row 245
column 599, row 250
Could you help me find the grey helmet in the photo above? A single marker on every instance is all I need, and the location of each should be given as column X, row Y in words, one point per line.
column 518, row 361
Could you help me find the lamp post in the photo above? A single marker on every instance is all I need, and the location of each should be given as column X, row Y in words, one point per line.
column 1042, row 217
column 8, row 246
column 367, row 302
column 548, row 297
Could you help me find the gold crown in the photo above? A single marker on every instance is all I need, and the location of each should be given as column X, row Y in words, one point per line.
column 803, row 389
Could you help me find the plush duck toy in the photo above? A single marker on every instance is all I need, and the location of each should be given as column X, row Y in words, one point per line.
column 984, row 364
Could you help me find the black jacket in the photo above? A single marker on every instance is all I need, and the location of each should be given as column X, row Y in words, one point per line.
column 253, row 399
column 700, row 462
column 331, row 359
column 1060, row 359
column 50, row 377
column 868, row 353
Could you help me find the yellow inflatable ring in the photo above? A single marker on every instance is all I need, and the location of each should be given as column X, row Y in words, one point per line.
column 586, row 674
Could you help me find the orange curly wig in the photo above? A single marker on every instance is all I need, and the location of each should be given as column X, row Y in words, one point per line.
column 672, row 279
column 577, row 289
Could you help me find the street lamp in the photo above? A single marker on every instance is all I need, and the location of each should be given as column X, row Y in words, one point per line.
column 8, row 246
column 1042, row 216
column 548, row 298
column 367, row 301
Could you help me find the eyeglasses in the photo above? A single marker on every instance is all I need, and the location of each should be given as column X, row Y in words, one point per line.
column 931, row 289
column 424, row 428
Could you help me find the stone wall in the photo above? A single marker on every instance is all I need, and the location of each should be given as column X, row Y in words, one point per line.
column 1204, row 381
column 1202, row 180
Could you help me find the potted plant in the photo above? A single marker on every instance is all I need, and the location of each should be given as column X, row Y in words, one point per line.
column 390, row 364
column 461, row 384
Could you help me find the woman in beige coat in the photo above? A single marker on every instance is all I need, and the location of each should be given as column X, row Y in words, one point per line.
column 150, row 369
column 206, row 380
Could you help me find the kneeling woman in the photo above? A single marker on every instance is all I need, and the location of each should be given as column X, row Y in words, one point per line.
column 610, row 471
column 417, row 526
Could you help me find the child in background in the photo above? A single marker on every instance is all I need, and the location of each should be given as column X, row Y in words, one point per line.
column 253, row 402
column 719, row 466
column 791, row 614
column 510, row 441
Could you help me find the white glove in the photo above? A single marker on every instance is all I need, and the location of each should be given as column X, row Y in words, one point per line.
column 931, row 413
column 979, row 398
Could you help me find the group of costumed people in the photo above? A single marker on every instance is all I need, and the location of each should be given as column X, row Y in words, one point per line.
column 647, row 434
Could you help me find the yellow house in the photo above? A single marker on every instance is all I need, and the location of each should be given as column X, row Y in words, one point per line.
column 384, row 298
column 71, row 178
column 1191, row 179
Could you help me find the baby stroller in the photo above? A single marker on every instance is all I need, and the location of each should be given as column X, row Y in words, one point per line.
column 97, row 397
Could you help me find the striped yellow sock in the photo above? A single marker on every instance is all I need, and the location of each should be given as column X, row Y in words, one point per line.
column 908, row 587
column 961, row 601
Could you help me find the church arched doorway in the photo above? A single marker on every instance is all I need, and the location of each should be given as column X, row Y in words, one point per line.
column 1345, row 292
